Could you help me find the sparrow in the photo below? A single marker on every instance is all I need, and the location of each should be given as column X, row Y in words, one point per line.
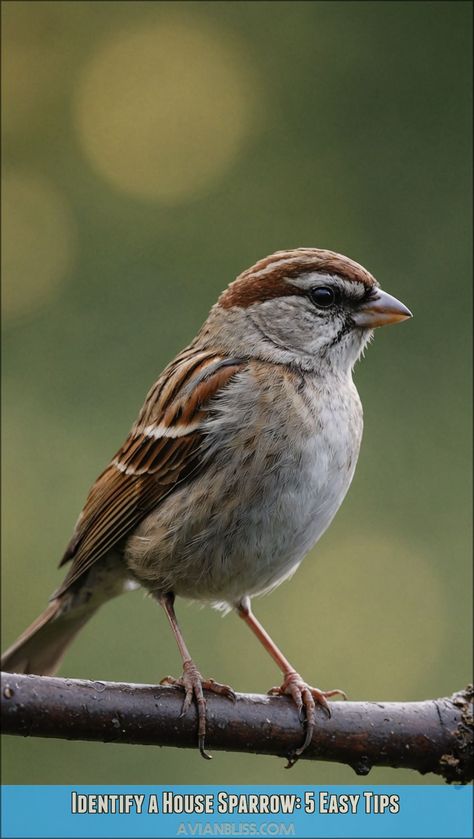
column 239, row 460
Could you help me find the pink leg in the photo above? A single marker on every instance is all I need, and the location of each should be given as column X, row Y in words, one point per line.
column 304, row 696
column 191, row 680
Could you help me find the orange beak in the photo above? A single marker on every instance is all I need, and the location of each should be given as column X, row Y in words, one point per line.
column 380, row 311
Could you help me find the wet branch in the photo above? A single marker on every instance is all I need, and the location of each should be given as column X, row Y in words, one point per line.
column 431, row 736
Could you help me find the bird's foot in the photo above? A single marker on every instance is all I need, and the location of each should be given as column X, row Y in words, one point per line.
column 193, row 685
column 305, row 698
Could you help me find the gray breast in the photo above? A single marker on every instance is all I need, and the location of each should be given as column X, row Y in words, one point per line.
column 277, row 472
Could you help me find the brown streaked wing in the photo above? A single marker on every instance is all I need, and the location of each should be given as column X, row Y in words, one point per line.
column 147, row 469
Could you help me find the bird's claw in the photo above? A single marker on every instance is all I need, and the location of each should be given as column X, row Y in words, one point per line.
column 305, row 698
column 193, row 684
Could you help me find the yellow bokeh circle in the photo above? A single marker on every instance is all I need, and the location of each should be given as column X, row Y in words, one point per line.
column 38, row 241
column 162, row 110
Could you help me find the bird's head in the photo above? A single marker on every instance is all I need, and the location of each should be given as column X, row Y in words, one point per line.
column 306, row 306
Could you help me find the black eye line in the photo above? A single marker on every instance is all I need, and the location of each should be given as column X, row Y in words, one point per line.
column 354, row 302
column 369, row 293
column 342, row 299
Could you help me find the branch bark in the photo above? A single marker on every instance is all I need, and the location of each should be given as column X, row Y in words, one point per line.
column 431, row 736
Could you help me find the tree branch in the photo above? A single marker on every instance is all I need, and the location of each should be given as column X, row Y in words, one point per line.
column 431, row 736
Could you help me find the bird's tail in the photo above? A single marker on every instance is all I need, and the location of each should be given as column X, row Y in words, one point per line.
column 41, row 647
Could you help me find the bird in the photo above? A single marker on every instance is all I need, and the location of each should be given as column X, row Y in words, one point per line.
column 240, row 457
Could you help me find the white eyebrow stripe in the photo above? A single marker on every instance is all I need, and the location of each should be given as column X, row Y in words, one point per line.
column 352, row 288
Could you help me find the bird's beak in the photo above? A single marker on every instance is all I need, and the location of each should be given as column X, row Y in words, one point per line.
column 381, row 310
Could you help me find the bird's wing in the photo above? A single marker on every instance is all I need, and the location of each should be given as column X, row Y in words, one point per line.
column 163, row 450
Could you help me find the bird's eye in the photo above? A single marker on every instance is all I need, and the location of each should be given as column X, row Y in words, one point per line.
column 323, row 296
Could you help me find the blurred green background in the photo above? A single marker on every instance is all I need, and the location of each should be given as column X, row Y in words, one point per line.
column 152, row 151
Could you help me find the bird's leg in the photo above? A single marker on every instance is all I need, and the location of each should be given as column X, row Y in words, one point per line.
column 304, row 696
column 191, row 680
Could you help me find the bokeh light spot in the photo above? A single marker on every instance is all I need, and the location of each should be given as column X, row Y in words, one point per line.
column 35, row 61
column 163, row 110
column 38, row 241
